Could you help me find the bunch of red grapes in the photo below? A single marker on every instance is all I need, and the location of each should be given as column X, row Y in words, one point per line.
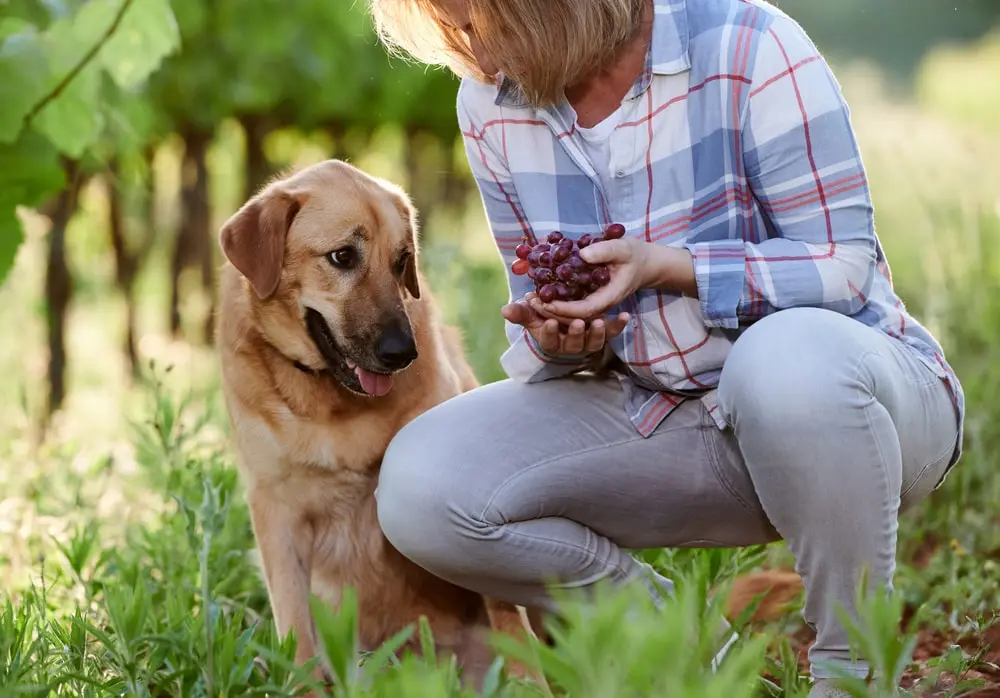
column 557, row 269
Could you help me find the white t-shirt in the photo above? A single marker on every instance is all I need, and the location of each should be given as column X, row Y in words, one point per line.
column 596, row 143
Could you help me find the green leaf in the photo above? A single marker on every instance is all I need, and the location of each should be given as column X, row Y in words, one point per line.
column 31, row 172
column 24, row 73
column 30, row 175
column 73, row 120
column 131, row 118
column 148, row 33
column 11, row 237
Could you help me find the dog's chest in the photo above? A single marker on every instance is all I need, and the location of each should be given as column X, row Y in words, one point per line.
column 352, row 445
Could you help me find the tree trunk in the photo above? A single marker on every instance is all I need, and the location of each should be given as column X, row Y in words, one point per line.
column 193, row 241
column 455, row 187
column 258, row 169
column 128, row 259
column 59, row 287
column 420, row 182
column 337, row 132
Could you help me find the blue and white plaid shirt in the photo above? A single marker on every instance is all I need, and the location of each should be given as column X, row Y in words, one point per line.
column 736, row 143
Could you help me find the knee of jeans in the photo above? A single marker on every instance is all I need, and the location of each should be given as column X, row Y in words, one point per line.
column 789, row 368
column 409, row 496
column 419, row 498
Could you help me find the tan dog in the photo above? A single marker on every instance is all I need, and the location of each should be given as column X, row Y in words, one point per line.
column 330, row 342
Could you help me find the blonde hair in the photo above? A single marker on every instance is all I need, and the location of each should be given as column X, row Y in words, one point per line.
column 543, row 46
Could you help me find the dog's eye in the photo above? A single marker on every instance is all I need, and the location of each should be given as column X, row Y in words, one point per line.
column 401, row 264
column 344, row 258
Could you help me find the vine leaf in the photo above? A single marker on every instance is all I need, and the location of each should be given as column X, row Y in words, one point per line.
column 24, row 74
column 54, row 99
column 148, row 33
column 73, row 120
column 31, row 173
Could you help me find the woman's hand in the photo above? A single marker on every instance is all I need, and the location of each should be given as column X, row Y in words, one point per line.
column 580, row 338
column 634, row 264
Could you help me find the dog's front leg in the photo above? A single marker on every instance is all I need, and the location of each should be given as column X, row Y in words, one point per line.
column 285, row 540
column 514, row 621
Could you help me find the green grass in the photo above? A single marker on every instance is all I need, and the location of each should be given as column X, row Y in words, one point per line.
column 126, row 558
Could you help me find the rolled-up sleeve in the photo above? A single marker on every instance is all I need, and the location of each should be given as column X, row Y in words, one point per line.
column 804, row 169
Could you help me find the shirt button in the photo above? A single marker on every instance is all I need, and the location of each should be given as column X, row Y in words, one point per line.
column 620, row 173
column 635, row 322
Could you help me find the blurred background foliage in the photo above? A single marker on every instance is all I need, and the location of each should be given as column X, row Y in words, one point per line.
column 177, row 110
column 131, row 129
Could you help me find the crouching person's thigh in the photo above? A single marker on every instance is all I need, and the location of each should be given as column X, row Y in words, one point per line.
column 438, row 500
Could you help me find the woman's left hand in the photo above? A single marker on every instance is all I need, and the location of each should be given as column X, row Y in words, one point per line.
column 634, row 264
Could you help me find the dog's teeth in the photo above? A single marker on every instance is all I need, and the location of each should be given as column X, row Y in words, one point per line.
column 350, row 364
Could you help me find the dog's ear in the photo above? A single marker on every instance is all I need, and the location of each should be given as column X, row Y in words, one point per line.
column 410, row 275
column 253, row 239
column 408, row 212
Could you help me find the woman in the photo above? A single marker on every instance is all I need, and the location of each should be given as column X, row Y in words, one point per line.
column 767, row 382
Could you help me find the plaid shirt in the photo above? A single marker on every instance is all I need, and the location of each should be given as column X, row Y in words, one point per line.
column 735, row 143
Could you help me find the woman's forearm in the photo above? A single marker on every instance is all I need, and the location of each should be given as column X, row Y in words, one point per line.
column 670, row 269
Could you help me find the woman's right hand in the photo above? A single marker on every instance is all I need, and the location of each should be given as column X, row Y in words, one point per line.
column 579, row 338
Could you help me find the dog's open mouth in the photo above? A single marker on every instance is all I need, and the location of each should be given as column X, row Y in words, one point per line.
column 351, row 376
column 377, row 384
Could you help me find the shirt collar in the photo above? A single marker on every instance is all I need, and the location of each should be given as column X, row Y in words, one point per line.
column 668, row 53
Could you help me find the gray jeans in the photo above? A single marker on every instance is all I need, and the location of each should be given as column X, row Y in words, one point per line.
column 833, row 427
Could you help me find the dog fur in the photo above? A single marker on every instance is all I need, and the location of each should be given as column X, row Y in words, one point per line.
column 309, row 442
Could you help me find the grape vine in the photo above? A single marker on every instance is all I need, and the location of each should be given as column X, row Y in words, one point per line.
column 54, row 98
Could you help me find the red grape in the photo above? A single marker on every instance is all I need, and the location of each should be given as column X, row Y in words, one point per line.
column 565, row 272
column 544, row 275
column 614, row 231
column 555, row 267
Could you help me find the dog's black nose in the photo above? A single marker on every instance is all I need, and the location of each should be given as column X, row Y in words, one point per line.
column 396, row 348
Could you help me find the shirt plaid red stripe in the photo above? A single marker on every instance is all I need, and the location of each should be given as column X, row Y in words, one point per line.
column 736, row 143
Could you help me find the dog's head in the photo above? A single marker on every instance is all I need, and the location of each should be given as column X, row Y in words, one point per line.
column 330, row 254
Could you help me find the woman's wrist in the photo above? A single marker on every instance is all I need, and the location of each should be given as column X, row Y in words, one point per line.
column 670, row 269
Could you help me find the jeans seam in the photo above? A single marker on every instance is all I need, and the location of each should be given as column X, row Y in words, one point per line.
column 711, row 448
column 590, row 553
column 946, row 453
column 928, row 382
column 878, row 448
column 856, row 372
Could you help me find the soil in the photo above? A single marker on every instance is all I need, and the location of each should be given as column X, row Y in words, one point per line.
column 930, row 644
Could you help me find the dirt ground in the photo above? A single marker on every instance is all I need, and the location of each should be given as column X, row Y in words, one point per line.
column 932, row 644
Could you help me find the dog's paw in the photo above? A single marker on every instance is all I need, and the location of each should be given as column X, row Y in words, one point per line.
column 516, row 671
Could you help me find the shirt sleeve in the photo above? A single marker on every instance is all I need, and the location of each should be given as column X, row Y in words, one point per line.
column 804, row 170
column 524, row 360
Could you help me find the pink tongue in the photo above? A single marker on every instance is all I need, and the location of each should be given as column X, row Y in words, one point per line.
column 376, row 384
